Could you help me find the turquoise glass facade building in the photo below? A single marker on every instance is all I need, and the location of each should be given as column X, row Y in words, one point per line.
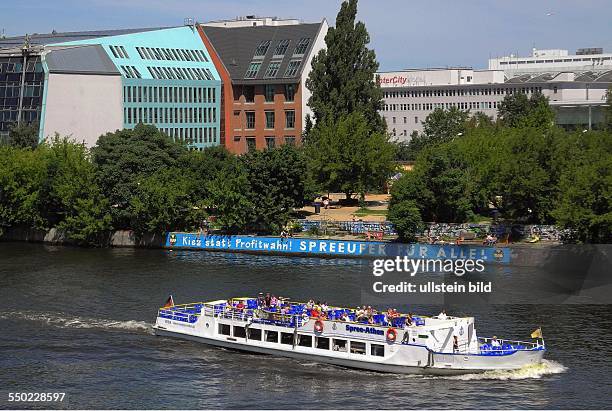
column 168, row 80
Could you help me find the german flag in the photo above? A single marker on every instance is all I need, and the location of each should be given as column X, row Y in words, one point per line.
column 169, row 302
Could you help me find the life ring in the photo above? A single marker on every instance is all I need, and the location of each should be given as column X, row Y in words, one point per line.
column 391, row 334
column 318, row 326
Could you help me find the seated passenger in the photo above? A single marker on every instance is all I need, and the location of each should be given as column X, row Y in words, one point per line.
column 273, row 301
column 310, row 304
column 240, row 305
column 495, row 342
column 442, row 315
column 267, row 300
column 344, row 317
column 324, row 306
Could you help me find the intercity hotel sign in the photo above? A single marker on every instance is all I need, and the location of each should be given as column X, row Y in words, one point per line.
column 399, row 80
column 333, row 248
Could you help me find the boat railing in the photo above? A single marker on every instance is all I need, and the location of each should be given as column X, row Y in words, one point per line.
column 505, row 346
column 254, row 315
column 187, row 313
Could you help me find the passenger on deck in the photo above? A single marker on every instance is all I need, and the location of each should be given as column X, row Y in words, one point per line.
column 442, row 315
column 260, row 300
column 324, row 306
column 408, row 321
column 344, row 317
column 273, row 301
column 310, row 304
column 267, row 300
column 361, row 314
column 495, row 342
column 455, row 344
column 240, row 305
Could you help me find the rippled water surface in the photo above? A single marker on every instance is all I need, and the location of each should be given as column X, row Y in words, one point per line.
column 79, row 321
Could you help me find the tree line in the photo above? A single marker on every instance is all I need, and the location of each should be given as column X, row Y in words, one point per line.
column 142, row 180
column 522, row 166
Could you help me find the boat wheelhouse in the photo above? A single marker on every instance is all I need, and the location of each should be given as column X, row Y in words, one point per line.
column 430, row 345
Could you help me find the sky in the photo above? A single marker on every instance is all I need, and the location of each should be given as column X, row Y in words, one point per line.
column 404, row 33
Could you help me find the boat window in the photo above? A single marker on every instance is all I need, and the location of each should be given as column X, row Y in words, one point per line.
column 377, row 350
column 254, row 334
column 358, row 348
column 224, row 329
column 339, row 345
column 304, row 340
column 272, row 336
column 287, row 338
column 239, row 332
column 322, row 343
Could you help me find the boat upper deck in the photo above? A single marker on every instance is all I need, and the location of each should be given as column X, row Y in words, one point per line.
column 291, row 314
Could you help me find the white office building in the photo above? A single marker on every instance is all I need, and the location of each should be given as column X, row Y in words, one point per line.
column 577, row 93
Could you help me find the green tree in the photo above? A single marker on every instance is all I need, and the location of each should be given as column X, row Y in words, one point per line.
column 278, row 184
column 585, row 185
column 162, row 202
column 444, row 125
column 22, row 176
column 72, row 200
column 518, row 110
column 406, row 217
column 124, row 158
column 479, row 120
column 342, row 76
column 24, row 135
column 346, row 157
column 229, row 197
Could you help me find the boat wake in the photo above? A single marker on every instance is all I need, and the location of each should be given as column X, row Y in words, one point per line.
column 534, row 371
column 64, row 321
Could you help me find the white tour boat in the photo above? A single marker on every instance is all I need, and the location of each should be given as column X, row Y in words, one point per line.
column 431, row 345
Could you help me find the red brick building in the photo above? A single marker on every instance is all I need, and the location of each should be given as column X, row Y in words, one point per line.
column 263, row 65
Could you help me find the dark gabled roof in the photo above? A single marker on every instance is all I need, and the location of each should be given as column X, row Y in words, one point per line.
column 236, row 47
column 52, row 38
column 81, row 60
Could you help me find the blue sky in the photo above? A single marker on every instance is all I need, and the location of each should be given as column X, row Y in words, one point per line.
column 404, row 33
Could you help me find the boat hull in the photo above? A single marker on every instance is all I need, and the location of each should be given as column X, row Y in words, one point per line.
column 442, row 365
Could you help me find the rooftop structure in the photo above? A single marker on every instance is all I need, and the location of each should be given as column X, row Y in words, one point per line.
column 586, row 59
column 251, row 21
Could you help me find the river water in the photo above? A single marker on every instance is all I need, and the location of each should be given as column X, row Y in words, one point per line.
column 79, row 321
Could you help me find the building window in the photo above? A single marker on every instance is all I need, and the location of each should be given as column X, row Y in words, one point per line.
column 289, row 118
column 289, row 92
column 236, row 138
column 250, row 119
column 270, row 142
column 269, row 92
column 281, row 48
column 252, row 146
column 393, row 120
column 302, row 46
column 272, row 69
column 252, row 70
column 269, row 119
column 249, row 94
column 290, row 140
column 292, row 68
column 416, row 120
column 262, row 49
